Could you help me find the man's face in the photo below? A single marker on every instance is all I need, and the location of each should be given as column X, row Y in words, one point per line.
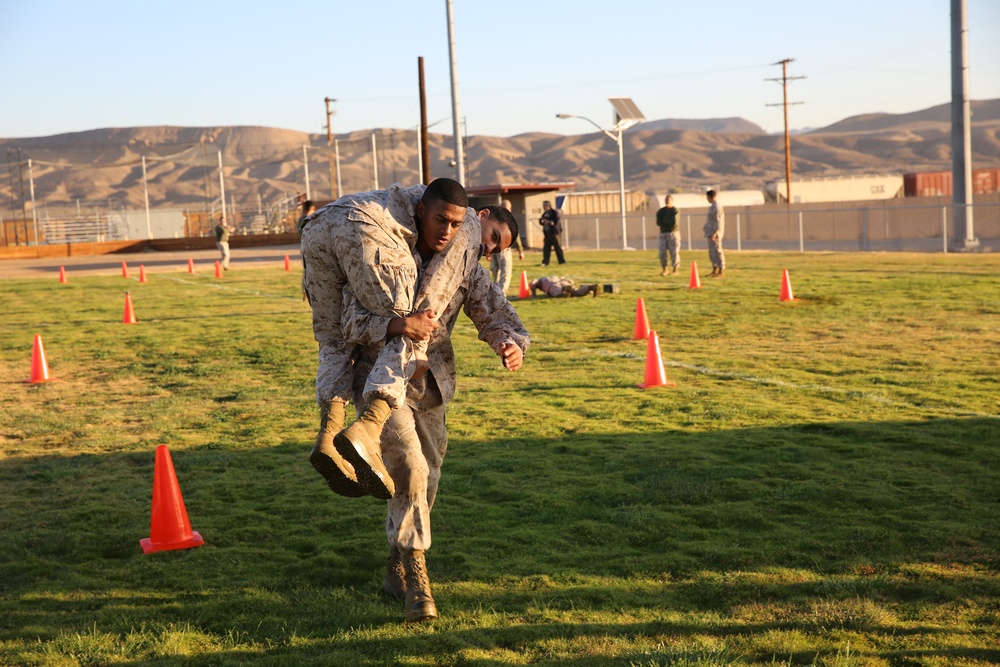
column 546, row 206
column 670, row 200
column 438, row 223
column 496, row 235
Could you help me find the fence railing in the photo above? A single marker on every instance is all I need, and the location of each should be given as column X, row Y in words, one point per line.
column 928, row 228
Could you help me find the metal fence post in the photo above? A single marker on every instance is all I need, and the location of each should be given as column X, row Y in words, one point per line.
column 566, row 234
column 864, row 229
column 643, row 232
column 597, row 232
column 689, row 231
column 802, row 244
column 944, row 229
column 739, row 242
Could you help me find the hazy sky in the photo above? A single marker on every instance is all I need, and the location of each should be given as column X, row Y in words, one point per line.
column 67, row 66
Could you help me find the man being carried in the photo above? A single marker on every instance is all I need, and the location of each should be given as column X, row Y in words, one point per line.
column 366, row 241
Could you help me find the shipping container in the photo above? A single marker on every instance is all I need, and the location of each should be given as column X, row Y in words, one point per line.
column 938, row 183
column 865, row 187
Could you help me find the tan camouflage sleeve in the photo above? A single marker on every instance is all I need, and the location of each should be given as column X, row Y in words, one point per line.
column 492, row 314
column 358, row 325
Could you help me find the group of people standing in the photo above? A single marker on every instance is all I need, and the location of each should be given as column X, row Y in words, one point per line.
column 670, row 235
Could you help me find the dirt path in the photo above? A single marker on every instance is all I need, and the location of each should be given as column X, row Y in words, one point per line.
column 153, row 260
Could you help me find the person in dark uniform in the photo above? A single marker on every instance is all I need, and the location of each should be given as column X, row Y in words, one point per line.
column 551, row 222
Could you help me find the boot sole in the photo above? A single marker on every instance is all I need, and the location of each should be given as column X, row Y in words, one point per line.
column 372, row 475
column 337, row 479
column 428, row 612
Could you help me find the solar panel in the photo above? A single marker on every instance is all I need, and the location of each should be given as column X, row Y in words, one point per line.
column 627, row 113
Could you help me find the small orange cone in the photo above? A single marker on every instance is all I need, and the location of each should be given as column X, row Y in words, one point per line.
column 641, row 321
column 142, row 273
column 288, row 264
column 786, row 287
column 62, row 275
column 129, row 316
column 655, row 375
column 190, row 266
column 525, row 292
column 39, row 367
column 124, row 270
column 218, row 269
column 169, row 528
column 695, row 280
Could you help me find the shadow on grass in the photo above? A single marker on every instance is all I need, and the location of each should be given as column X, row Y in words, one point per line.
column 870, row 529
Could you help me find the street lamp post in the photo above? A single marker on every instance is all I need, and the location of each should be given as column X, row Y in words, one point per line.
column 626, row 115
column 616, row 136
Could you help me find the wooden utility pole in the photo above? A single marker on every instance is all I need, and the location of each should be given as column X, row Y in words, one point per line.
column 334, row 186
column 425, row 151
column 785, row 103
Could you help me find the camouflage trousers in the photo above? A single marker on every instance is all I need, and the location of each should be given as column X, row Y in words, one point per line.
column 414, row 443
column 554, row 285
column 339, row 251
column 501, row 268
column 715, row 253
column 670, row 242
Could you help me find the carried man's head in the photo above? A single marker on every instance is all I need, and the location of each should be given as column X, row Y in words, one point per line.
column 499, row 228
column 711, row 195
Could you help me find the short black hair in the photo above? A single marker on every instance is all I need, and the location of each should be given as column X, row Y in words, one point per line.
column 307, row 204
column 505, row 217
column 448, row 191
column 711, row 193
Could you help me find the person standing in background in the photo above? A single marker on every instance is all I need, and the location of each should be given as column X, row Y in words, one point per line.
column 715, row 228
column 551, row 222
column 502, row 263
column 308, row 208
column 670, row 236
column 222, row 232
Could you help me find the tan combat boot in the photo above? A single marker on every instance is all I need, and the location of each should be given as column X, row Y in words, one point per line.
column 419, row 605
column 359, row 444
column 394, row 582
column 338, row 473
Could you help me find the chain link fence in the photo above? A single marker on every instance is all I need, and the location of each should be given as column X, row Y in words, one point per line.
column 921, row 228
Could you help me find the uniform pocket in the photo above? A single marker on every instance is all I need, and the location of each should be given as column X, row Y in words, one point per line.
column 390, row 282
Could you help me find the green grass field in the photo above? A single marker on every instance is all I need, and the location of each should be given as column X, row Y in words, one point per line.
column 822, row 486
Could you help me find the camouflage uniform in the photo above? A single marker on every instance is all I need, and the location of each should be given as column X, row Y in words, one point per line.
column 415, row 439
column 715, row 224
column 364, row 243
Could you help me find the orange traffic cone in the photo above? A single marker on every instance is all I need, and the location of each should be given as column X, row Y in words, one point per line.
column 641, row 321
column 39, row 367
column 124, row 270
column 190, row 265
column 695, row 280
column 288, row 264
column 218, row 269
column 169, row 528
column 142, row 273
column 786, row 287
column 525, row 292
column 62, row 275
column 655, row 375
column 129, row 316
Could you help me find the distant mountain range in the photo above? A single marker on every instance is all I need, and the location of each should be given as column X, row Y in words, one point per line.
column 266, row 164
